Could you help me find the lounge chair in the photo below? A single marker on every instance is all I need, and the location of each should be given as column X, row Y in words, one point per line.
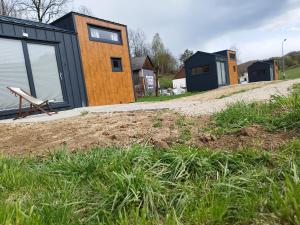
column 35, row 104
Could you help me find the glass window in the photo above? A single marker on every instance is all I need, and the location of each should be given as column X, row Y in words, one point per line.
column 13, row 72
column 116, row 64
column 232, row 56
column 234, row 68
column 105, row 35
column 45, row 72
column 200, row 70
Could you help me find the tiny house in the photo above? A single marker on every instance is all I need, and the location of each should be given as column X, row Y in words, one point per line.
column 144, row 77
column 41, row 59
column 206, row 71
column 263, row 71
column 104, row 51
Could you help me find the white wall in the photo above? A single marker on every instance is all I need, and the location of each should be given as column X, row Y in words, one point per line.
column 179, row 83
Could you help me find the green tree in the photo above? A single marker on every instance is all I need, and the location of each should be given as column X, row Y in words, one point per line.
column 162, row 58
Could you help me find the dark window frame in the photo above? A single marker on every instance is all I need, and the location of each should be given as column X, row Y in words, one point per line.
column 55, row 44
column 120, row 67
column 119, row 32
column 199, row 70
column 232, row 56
column 234, row 68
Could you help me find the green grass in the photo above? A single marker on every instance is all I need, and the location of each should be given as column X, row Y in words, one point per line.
column 143, row 186
column 165, row 98
column 182, row 185
column 165, row 80
column 293, row 73
column 278, row 113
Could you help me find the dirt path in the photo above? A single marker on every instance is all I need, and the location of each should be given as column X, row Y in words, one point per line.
column 201, row 104
column 142, row 123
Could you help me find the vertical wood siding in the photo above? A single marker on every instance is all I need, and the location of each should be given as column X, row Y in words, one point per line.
column 233, row 76
column 103, row 86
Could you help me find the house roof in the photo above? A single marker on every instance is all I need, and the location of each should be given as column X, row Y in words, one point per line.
column 91, row 17
column 29, row 23
column 139, row 62
column 268, row 62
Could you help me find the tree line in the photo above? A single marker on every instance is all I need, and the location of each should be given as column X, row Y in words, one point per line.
column 164, row 61
column 39, row 10
column 47, row 11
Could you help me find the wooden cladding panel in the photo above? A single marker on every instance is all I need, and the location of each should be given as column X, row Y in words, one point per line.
column 233, row 75
column 103, row 86
column 276, row 68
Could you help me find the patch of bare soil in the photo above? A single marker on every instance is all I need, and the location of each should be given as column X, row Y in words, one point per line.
column 158, row 128
column 254, row 136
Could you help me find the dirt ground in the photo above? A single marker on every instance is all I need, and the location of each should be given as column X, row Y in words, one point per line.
column 158, row 128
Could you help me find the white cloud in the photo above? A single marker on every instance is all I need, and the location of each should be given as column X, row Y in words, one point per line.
column 255, row 27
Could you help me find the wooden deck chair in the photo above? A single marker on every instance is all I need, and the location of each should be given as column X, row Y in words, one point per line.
column 35, row 104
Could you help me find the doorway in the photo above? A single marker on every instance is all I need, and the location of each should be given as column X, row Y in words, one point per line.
column 33, row 67
column 222, row 76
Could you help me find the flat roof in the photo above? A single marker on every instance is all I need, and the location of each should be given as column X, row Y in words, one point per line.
column 30, row 23
column 91, row 17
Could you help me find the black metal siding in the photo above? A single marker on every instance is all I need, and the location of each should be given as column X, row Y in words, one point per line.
column 65, row 22
column 204, row 81
column 68, row 55
column 259, row 71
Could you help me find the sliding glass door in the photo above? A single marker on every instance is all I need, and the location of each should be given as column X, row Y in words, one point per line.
column 221, row 73
column 13, row 72
column 45, row 73
column 32, row 67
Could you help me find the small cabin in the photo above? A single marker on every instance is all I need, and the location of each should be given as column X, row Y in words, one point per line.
column 41, row 59
column 206, row 71
column 263, row 71
column 144, row 77
column 105, row 58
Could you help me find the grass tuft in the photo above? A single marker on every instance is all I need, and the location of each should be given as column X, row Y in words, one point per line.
column 141, row 186
column 279, row 113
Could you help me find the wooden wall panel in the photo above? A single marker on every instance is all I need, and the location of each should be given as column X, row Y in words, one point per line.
column 233, row 75
column 276, row 68
column 103, row 86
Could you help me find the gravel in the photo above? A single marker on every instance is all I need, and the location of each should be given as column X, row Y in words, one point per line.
column 201, row 104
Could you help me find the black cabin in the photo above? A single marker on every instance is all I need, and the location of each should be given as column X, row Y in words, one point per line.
column 206, row 71
column 263, row 71
column 42, row 59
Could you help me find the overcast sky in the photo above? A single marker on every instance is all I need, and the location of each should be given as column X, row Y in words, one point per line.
column 255, row 27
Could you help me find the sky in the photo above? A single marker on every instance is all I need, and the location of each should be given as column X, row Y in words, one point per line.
column 256, row 27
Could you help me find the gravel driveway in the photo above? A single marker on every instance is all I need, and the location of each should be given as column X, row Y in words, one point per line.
column 201, row 104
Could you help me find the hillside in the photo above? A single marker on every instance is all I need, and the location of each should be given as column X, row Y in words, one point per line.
column 292, row 62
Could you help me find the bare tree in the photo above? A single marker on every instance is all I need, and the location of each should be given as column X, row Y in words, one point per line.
column 137, row 43
column 44, row 10
column 84, row 10
column 184, row 56
column 162, row 58
column 10, row 8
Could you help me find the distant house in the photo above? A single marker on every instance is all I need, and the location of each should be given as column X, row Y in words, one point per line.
column 263, row 71
column 144, row 77
column 206, row 71
column 180, row 79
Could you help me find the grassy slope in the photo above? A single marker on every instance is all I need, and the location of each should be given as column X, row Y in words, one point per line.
column 293, row 73
column 182, row 185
